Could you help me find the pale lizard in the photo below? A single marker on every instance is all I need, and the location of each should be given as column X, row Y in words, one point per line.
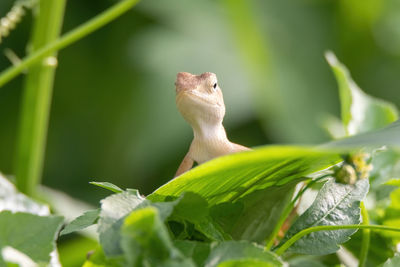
column 199, row 99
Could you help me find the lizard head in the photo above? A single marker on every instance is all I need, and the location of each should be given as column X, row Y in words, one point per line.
column 199, row 98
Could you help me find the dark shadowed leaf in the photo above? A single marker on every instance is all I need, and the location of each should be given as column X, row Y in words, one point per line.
column 335, row 204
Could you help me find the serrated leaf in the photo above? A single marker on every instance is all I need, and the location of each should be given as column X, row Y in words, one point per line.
column 113, row 211
column 146, row 242
column 108, row 186
column 335, row 204
column 85, row 220
column 30, row 234
column 233, row 252
column 360, row 112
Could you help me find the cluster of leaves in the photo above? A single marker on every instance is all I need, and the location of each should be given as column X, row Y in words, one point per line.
column 222, row 212
column 228, row 211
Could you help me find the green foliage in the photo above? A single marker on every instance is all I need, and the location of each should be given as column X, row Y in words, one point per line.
column 30, row 234
column 108, row 186
column 87, row 219
column 392, row 262
column 26, row 225
column 360, row 112
column 335, row 204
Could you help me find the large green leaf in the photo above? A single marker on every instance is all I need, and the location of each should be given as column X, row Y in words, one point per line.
column 240, row 253
column 231, row 177
column 255, row 185
column 30, row 234
column 335, row 204
column 360, row 112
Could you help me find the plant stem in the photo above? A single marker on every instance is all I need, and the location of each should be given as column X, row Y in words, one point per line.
column 37, row 97
column 366, row 236
column 67, row 39
column 307, row 231
column 286, row 212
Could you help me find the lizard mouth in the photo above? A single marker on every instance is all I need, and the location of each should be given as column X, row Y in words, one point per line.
column 194, row 95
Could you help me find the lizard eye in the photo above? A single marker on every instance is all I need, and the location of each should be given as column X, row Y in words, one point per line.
column 215, row 86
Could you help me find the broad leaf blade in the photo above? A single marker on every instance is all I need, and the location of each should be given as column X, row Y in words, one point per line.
column 249, row 179
column 360, row 112
column 30, row 234
column 231, row 177
column 335, row 204
column 85, row 220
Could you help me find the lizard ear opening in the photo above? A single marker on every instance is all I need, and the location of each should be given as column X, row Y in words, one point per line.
column 215, row 86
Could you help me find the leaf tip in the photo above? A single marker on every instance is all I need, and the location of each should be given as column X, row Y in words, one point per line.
column 331, row 58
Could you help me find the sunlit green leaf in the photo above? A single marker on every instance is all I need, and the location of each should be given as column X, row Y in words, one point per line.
column 260, row 181
column 335, row 204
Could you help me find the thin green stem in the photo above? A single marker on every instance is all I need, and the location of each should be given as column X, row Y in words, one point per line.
column 67, row 39
column 307, row 231
column 36, row 100
column 286, row 212
column 366, row 237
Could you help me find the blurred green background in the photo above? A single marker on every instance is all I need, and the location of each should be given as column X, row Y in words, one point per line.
column 113, row 114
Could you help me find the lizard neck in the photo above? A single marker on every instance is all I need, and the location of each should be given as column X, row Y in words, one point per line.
column 207, row 131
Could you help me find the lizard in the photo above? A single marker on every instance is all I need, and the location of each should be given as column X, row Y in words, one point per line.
column 200, row 101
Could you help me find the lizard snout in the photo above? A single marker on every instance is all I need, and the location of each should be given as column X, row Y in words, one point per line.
column 185, row 81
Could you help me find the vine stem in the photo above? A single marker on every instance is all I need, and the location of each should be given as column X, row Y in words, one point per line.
column 366, row 237
column 67, row 39
column 307, row 231
column 288, row 209
column 36, row 98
